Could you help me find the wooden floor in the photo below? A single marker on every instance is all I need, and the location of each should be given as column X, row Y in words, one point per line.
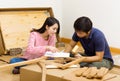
column 6, row 75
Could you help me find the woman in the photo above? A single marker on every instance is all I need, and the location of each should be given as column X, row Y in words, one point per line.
column 40, row 41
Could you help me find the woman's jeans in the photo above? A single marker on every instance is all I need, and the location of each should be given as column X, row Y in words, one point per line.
column 17, row 59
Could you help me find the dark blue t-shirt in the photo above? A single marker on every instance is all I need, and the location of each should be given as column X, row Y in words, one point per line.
column 94, row 43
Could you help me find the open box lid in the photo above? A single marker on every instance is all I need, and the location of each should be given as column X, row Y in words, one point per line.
column 16, row 24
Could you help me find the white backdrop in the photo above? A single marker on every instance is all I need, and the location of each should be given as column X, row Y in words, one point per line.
column 105, row 15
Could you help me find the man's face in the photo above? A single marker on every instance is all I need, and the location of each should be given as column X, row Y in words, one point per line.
column 82, row 34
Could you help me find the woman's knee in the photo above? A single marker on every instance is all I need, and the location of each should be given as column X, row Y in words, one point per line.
column 14, row 60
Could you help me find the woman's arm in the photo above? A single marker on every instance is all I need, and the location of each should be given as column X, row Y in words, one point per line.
column 33, row 49
column 51, row 44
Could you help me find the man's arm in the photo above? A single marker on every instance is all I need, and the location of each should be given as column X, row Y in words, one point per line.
column 98, row 57
column 70, row 46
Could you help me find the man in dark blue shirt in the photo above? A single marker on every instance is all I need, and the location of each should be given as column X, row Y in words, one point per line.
column 93, row 41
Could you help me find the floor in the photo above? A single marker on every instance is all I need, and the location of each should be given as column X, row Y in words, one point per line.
column 6, row 75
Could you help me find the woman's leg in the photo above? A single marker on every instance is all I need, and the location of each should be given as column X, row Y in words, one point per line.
column 15, row 60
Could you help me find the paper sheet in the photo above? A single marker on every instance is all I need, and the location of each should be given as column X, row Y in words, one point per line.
column 57, row 54
column 116, row 59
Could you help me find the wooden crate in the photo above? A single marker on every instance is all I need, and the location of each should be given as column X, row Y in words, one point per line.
column 16, row 24
column 2, row 47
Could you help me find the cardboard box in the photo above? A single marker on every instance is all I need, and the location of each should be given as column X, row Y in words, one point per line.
column 16, row 24
column 33, row 73
column 2, row 48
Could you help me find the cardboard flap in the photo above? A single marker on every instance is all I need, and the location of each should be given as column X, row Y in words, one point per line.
column 16, row 24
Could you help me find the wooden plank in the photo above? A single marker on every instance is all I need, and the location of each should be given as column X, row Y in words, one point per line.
column 2, row 47
column 44, row 70
column 7, row 66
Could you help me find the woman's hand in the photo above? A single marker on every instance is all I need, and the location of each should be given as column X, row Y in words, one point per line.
column 52, row 49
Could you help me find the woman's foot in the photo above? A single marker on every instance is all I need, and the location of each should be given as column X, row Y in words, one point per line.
column 16, row 71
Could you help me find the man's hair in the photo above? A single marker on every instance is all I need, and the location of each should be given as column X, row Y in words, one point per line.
column 83, row 24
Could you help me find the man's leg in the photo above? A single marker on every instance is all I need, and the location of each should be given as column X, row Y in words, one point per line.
column 104, row 63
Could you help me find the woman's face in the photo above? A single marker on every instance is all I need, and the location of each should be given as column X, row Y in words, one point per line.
column 52, row 29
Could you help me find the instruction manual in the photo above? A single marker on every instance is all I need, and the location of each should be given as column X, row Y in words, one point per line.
column 57, row 54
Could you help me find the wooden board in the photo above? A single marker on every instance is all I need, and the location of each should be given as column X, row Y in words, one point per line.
column 2, row 47
column 16, row 24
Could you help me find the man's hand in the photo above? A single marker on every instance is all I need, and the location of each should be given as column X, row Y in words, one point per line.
column 77, row 55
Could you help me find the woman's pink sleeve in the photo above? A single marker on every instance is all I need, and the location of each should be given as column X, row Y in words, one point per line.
column 52, row 41
column 32, row 49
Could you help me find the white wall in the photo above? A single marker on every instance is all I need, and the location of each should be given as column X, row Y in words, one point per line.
column 55, row 4
column 105, row 15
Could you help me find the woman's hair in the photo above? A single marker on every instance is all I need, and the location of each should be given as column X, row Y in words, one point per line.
column 83, row 24
column 49, row 21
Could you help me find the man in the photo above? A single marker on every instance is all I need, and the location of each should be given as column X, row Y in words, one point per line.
column 93, row 41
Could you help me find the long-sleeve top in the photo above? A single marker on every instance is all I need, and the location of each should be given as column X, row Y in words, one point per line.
column 37, row 45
